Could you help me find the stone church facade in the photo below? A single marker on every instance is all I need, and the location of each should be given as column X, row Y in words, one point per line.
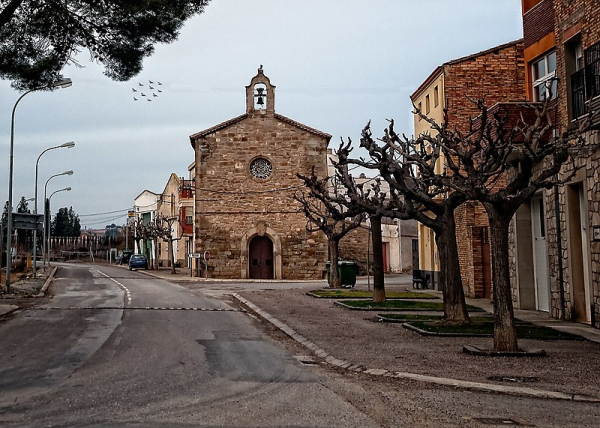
column 245, row 175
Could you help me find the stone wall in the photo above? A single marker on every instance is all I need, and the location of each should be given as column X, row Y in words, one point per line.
column 230, row 202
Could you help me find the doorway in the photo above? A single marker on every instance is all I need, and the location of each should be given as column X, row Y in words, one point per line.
column 385, row 248
column 540, row 254
column 578, row 253
column 261, row 258
column 486, row 262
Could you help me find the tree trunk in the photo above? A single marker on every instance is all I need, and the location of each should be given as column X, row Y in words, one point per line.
column 378, row 277
column 172, row 257
column 505, row 334
column 334, row 278
column 455, row 305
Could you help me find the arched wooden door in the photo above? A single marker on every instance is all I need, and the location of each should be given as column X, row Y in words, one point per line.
column 261, row 258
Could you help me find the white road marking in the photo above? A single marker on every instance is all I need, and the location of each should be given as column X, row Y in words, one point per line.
column 127, row 292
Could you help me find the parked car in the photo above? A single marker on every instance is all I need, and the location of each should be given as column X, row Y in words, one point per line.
column 123, row 257
column 138, row 261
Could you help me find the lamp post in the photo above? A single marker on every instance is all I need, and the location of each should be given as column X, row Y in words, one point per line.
column 66, row 189
column 70, row 172
column 68, row 145
column 64, row 83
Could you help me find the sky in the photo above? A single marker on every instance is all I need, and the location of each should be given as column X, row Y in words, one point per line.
column 336, row 64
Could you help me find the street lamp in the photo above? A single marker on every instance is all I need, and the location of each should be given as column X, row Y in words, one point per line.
column 64, row 83
column 68, row 145
column 66, row 189
column 70, row 172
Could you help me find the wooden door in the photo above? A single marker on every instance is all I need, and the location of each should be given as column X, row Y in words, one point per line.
column 486, row 262
column 261, row 258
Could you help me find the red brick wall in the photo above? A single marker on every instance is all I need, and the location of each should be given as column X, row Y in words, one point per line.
column 538, row 22
column 576, row 17
column 499, row 76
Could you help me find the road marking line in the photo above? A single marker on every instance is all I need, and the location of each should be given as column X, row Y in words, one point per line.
column 127, row 292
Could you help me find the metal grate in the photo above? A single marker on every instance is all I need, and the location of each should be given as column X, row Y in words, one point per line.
column 501, row 422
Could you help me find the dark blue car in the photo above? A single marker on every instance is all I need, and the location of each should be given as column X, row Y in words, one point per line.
column 138, row 261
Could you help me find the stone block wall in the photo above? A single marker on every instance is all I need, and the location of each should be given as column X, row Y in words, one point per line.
column 230, row 202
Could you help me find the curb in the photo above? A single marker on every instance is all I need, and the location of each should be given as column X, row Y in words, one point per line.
column 474, row 386
column 49, row 280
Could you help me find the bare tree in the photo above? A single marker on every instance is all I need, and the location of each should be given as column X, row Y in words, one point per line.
column 326, row 211
column 407, row 167
column 163, row 228
column 502, row 165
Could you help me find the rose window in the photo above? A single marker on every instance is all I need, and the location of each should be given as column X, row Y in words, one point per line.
column 261, row 168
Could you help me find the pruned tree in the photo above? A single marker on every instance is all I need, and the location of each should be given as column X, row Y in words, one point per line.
column 38, row 38
column 502, row 165
column 407, row 167
column 164, row 229
column 325, row 210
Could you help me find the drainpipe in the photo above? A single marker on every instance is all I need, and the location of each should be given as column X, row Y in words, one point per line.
column 561, row 284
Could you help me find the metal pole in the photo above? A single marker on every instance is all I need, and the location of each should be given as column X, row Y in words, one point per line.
column 37, row 162
column 66, row 189
column 10, row 194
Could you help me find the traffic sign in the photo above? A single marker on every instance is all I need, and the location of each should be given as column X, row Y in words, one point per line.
column 28, row 221
column 195, row 255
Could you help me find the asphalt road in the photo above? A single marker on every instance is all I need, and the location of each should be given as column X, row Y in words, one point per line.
column 117, row 348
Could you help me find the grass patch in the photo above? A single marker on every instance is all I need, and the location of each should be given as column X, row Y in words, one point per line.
column 486, row 328
column 399, row 305
column 364, row 294
column 421, row 317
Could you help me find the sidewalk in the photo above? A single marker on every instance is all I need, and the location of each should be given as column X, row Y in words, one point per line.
column 25, row 290
column 353, row 340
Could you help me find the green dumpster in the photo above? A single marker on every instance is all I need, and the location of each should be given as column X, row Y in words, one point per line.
column 347, row 271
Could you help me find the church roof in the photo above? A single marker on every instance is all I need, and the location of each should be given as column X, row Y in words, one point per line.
column 235, row 120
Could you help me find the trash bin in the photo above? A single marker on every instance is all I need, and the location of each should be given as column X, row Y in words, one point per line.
column 347, row 271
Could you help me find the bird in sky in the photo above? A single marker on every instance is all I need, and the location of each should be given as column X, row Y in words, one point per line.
column 159, row 83
column 159, row 90
column 140, row 84
column 142, row 94
column 134, row 90
column 134, row 99
column 151, row 87
column 148, row 99
column 154, row 95
column 150, row 81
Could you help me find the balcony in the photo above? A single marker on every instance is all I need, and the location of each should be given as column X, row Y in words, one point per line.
column 585, row 86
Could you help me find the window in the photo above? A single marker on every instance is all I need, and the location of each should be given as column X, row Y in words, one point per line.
column 188, row 219
column 436, row 96
column 419, row 107
column 261, row 168
column 544, row 77
column 427, row 106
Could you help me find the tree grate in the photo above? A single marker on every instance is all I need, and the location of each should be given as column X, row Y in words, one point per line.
column 516, row 379
column 502, row 422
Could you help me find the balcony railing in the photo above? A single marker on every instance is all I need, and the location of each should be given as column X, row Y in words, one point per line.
column 578, row 93
column 585, row 83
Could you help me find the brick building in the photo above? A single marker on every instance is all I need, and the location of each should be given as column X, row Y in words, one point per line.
column 498, row 75
column 557, row 234
column 245, row 176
